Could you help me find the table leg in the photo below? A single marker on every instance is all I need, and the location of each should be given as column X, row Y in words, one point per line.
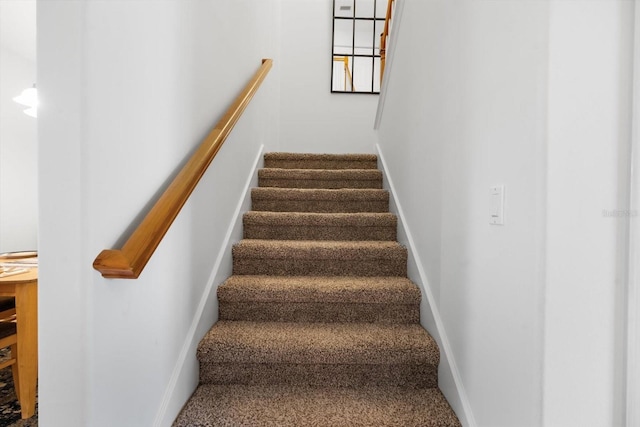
column 27, row 325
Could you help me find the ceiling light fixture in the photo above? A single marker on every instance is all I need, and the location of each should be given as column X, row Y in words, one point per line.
column 29, row 98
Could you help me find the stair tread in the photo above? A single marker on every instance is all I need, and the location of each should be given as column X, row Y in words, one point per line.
column 319, row 194
column 318, row 249
column 336, row 289
column 300, row 406
column 275, row 177
column 320, row 161
column 353, row 226
column 319, row 156
column 318, row 343
column 340, row 219
column 328, row 174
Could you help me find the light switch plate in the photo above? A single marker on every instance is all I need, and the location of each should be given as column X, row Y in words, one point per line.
column 497, row 205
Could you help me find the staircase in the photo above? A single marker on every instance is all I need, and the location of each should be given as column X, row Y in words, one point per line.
column 319, row 325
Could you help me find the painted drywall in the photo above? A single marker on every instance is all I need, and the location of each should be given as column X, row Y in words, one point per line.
column 535, row 96
column 590, row 62
column 18, row 27
column 128, row 90
column 18, row 154
column 474, row 117
column 312, row 119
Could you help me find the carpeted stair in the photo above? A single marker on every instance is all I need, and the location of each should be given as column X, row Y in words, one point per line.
column 319, row 325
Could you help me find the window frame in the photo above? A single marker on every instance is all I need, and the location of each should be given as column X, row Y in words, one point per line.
column 352, row 56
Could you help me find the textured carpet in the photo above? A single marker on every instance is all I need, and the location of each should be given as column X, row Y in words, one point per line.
column 319, row 299
column 320, row 161
column 319, row 200
column 9, row 406
column 318, row 325
column 296, row 406
column 319, row 258
column 320, row 178
column 319, row 226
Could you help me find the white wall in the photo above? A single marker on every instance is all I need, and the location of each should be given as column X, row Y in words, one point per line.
column 128, row 90
column 473, row 117
column 590, row 92
column 18, row 155
column 536, row 96
column 312, row 119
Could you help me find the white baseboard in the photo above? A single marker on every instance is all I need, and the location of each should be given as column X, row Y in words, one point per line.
column 172, row 402
column 448, row 374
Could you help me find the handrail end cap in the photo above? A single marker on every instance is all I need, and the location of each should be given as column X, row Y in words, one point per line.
column 113, row 264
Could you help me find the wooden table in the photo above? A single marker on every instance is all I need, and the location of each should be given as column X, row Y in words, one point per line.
column 24, row 287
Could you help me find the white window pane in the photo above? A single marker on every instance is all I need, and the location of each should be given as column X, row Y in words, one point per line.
column 381, row 8
column 343, row 8
column 376, row 75
column 362, row 72
column 342, row 36
column 378, row 32
column 342, row 71
column 364, row 38
column 365, row 8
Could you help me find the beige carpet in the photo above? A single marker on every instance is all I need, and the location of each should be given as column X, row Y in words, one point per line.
column 319, row 325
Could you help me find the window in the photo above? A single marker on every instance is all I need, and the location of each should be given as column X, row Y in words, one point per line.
column 357, row 25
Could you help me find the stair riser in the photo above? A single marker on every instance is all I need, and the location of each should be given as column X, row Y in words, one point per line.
column 380, row 290
column 318, row 183
column 316, row 375
column 274, row 232
column 320, row 206
column 309, row 267
column 319, row 312
column 319, row 164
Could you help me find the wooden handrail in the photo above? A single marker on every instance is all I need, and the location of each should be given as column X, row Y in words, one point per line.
column 129, row 261
column 383, row 38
